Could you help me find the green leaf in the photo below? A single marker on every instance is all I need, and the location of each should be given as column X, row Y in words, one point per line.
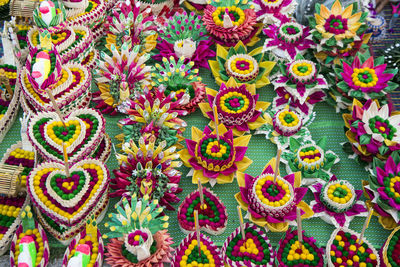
column 317, row 35
column 311, row 22
column 318, row 8
column 356, row 94
column 338, row 70
column 383, row 149
column 363, row 16
column 343, row 85
column 391, row 86
column 329, row 59
column 355, row 7
column 379, row 61
column 241, row 50
column 294, row 144
column 365, row 139
column 362, row 29
column 331, row 41
column 375, row 95
column 347, row 148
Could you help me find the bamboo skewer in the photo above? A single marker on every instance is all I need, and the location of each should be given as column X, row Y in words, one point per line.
column 196, row 224
column 365, row 226
column 299, row 227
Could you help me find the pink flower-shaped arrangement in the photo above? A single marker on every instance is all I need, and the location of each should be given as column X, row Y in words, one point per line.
column 231, row 21
column 270, row 204
column 287, row 39
column 337, row 202
column 185, row 35
column 362, row 78
column 373, row 131
column 213, row 160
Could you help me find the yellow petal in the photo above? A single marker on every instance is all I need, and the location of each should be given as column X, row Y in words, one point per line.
column 320, row 20
column 336, row 8
column 223, row 179
column 347, row 11
column 240, row 179
column 199, row 173
column 215, row 71
column 278, row 227
column 205, row 107
column 197, row 134
column 319, row 28
column 387, row 222
column 351, row 136
column 242, row 140
column 347, row 117
column 366, row 37
column 297, row 179
column 324, row 12
column 256, row 51
column 221, row 129
column 257, row 123
column 243, row 164
column 271, row 163
column 240, row 201
column 268, row 65
column 251, row 88
column 185, row 156
column 262, row 105
column 221, row 51
column 240, row 44
column 231, row 82
column 354, row 18
column 260, row 221
column 308, row 211
column 236, row 132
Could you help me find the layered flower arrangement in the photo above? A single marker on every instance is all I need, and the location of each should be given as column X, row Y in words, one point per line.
column 181, row 81
column 237, row 105
column 300, row 85
column 287, row 39
column 215, row 159
column 185, row 35
column 138, row 234
column 119, row 76
column 390, row 249
column 362, row 78
column 152, row 115
column 213, row 217
column 148, row 170
column 272, row 11
column 244, row 67
column 372, row 131
column 131, row 21
column 291, row 252
column 285, row 123
column 338, row 33
column 310, row 158
column 270, row 204
column 253, row 250
column 337, row 202
column 231, row 21
column 383, row 190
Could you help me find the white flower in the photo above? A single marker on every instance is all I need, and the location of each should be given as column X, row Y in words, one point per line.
column 185, row 48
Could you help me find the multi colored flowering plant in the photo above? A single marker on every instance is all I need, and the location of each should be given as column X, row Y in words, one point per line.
column 372, row 131
column 237, row 105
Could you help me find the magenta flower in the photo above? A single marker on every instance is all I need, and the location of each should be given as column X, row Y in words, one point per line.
column 270, row 12
column 339, row 207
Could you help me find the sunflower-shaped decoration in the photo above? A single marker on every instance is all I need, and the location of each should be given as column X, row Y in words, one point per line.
column 273, row 11
column 362, row 78
column 231, row 21
column 213, row 159
column 338, row 32
column 185, row 35
column 181, row 81
column 152, row 115
column 237, row 105
column 130, row 21
column 287, row 38
column 300, row 84
column 383, row 190
column 138, row 234
column 372, row 131
column 148, row 170
column 337, row 202
column 244, row 67
column 272, row 205
column 119, row 76
column 283, row 124
column 310, row 158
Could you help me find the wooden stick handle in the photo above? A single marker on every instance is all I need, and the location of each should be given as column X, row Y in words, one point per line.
column 277, row 161
column 239, row 209
column 53, row 102
column 299, row 227
column 365, row 226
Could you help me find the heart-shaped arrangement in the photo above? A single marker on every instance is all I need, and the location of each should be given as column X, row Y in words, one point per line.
column 212, row 217
column 254, row 251
column 289, row 252
column 65, row 234
column 69, row 83
column 391, row 249
column 9, row 108
column 187, row 252
column 83, row 132
column 343, row 246
column 16, row 156
column 10, row 220
column 71, row 42
column 68, row 200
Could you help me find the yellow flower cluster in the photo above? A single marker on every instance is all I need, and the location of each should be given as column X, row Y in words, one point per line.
column 265, row 200
column 94, row 252
column 282, row 116
column 340, row 200
column 22, row 27
column 60, row 38
column 11, row 75
column 222, row 149
column 235, row 69
column 52, row 135
column 54, row 208
column 393, row 181
column 9, row 211
column 220, row 22
column 305, row 253
column 231, row 94
column 302, row 69
column 23, row 154
column 357, row 81
column 4, row 2
column 37, row 237
column 189, row 250
column 249, row 247
column 310, row 153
